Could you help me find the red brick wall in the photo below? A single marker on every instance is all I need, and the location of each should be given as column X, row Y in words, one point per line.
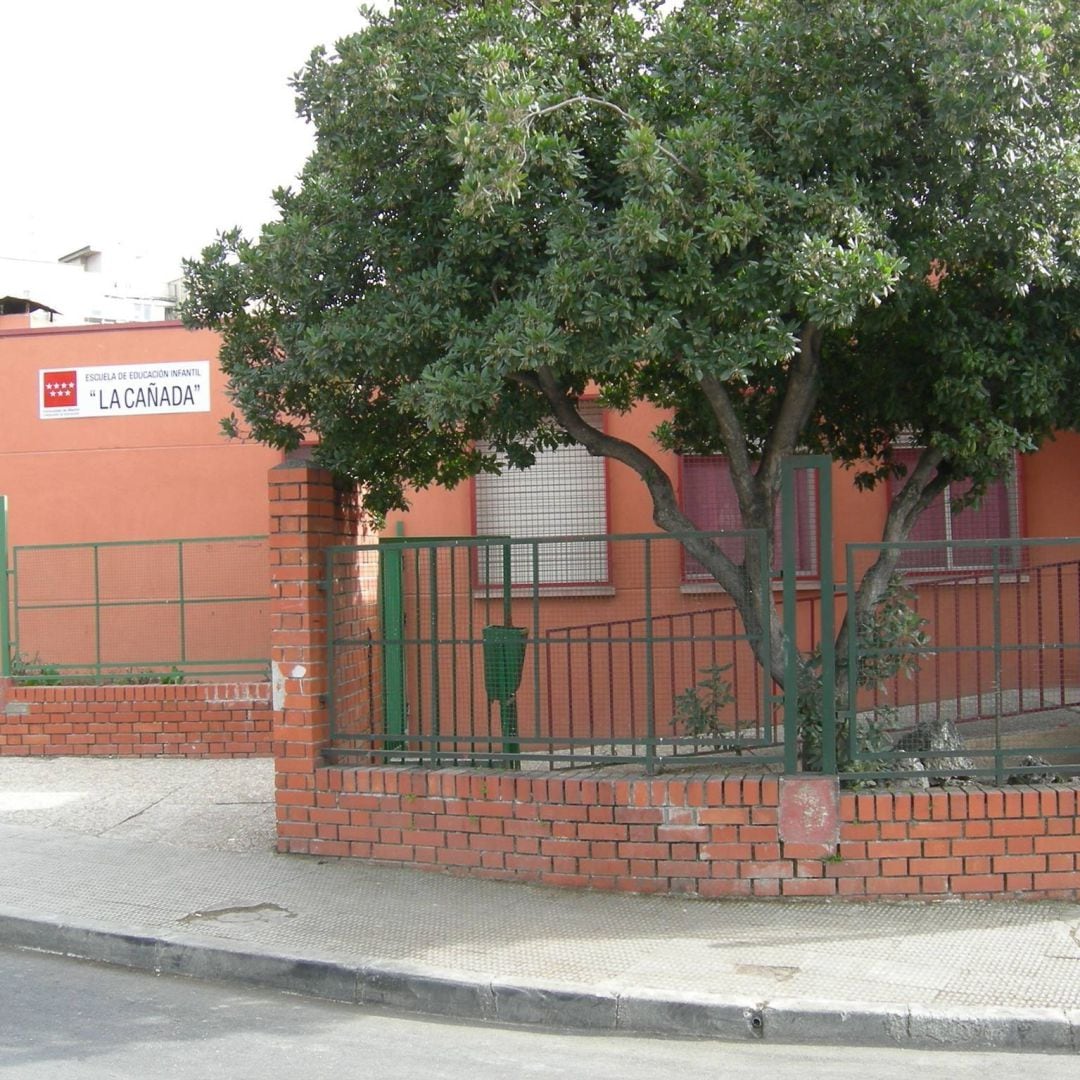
column 707, row 837
column 1016, row 840
column 712, row 837
column 229, row 720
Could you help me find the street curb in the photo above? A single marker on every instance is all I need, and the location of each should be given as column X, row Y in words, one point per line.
column 429, row 991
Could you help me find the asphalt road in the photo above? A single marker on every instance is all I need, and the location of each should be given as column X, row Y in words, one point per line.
column 82, row 1021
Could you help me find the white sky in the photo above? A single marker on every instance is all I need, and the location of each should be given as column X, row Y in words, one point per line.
column 150, row 125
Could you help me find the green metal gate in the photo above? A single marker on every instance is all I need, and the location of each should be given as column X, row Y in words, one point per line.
column 428, row 670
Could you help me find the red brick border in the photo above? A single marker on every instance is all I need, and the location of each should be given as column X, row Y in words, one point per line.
column 710, row 836
column 707, row 837
column 221, row 720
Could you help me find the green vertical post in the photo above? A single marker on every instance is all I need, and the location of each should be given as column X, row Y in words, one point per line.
column 822, row 465
column 769, row 695
column 180, row 597
column 470, row 637
column 392, row 629
column 534, row 560
column 650, row 675
column 853, row 635
column 97, row 614
column 433, row 624
column 455, row 666
column 331, row 640
column 790, row 658
column 828, row 600
column 5, row 611
column 507, row 584
column 999, row 757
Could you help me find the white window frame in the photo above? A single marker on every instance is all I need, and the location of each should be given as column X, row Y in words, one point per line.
column 563, row 494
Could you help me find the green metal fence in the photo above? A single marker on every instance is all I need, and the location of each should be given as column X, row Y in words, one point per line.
column 138, row 611
column 1000, row 666
column 490, row 651
column 5, row 594
column 577, row 651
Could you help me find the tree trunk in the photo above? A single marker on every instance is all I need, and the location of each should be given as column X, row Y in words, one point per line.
column 750, row 583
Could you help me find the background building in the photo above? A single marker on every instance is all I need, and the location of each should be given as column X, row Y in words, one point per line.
column 88, row 285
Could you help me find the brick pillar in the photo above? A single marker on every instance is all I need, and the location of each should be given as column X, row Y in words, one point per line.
column 306, row 517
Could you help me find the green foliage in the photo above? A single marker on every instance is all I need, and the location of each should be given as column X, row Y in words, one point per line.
column 789, row 226
column 641, row 201
column 32, row 671
column 35, row 672
column 145, row 677
column 698, row 709
column 127, row 677
column 891, row 638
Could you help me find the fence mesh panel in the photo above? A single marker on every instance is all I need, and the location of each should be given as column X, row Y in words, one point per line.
column 1000, row 665
column 199, row 606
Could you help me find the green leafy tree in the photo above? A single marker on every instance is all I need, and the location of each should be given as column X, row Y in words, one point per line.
column 795, row 225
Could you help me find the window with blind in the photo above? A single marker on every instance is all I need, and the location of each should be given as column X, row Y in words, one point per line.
column 564, row 493
column 708, row 499
column 996, row 517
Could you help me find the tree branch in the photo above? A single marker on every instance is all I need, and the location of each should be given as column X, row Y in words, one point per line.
column 666, row 512
column 760, row 620
column 923, row 484
column 734, row 438
column 796, row 408
column 586, row 99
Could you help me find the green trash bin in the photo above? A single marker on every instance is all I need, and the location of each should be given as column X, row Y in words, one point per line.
column 504, row 661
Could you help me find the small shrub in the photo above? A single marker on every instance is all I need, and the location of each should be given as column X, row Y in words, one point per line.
column 698, row 708
column 173, row 677
column 34, row 672
column 892, row 634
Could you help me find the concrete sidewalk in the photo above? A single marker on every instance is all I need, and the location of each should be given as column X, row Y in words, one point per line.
column 167, row 866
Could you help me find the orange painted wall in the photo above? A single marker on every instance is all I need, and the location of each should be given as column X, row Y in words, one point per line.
column 155, row 477
column 1049, row 506
column 1050, row 488
column 121, row 478
column 175, row 475
column 1049, row 494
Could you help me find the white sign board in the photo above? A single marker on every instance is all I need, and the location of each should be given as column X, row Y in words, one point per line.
column 125, row 390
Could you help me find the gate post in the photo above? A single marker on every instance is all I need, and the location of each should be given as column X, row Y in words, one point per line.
column 822, row 465
column 5, row 610
column 307, row 516
column 5, row 594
